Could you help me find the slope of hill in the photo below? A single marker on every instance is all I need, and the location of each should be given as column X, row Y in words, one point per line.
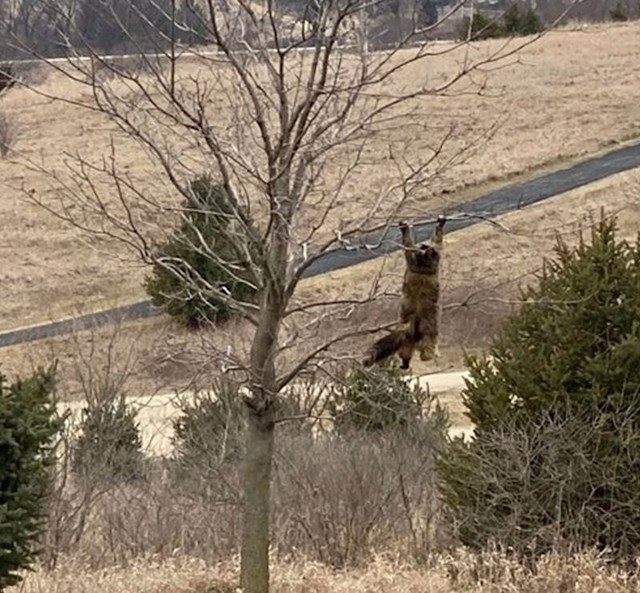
column 568, row 95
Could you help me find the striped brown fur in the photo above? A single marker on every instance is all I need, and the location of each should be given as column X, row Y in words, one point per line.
column 419, row 310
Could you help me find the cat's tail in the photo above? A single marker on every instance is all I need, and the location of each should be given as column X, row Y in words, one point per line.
column 391, row 343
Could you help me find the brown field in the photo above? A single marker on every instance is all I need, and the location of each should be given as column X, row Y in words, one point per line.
column 459, row 574
column 567, row 96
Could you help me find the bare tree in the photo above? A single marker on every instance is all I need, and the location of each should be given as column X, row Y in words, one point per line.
column 291, row 115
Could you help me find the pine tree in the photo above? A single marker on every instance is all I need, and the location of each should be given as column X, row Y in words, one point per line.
column 111, row 24
column 521, row 20
column 556, row 410
column 27, row 429
column 181, row 287
column 380, row 399
column 210, row 429
column 109, row 446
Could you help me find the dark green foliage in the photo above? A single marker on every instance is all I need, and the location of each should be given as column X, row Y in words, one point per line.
column 482, row 27
column 109, row 447
column 516, row 20
column 145, row 24
column 556, row 455
column 27, row 429
column 7, row 79
column 576, row 345
column 521, row 20
column 210, row 430
column 200, row 255
column 380, row 399
column 427, row 13
column 619, row 12
column 422, row 12
column 209, row 439
column 108, row 24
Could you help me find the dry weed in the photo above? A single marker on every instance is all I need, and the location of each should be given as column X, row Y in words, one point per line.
column 462, row 573
column 7, row 134
column 494, row 572
column 335, row 502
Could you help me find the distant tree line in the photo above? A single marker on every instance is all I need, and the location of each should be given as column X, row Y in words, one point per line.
column 112, row 26
column 121, row 26
column 589, row 10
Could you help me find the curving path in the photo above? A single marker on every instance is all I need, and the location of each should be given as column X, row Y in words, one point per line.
column 155, row 413
column 509, row 198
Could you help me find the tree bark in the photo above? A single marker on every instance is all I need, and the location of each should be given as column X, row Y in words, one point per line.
column 257, row 484
column 254, row 564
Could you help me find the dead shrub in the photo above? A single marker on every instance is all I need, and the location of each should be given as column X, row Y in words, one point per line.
column 31, row 75
column 8, row 134
column 158, row 518
column 494, row 571
column 119, row 523
column 7, row 77
column 339, row 497
column 339, row 500
column 556, row 484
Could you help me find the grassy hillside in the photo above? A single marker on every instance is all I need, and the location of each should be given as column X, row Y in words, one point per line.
column 568, row 95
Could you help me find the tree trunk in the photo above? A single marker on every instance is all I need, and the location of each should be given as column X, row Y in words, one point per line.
column 254, row 565
column 257, row 483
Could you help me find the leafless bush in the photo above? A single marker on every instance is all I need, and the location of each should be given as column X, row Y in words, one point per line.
column 7, row 77
column 99, row 446
column 7, row 134
column 159, row 518
column 560, row 484
column 155, row 517
column 336, row 500
column 340, row 499
column 31, row 75
column 69, row 505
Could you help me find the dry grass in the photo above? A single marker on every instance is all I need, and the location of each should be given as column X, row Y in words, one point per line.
column 570, row 94
column 462, row 573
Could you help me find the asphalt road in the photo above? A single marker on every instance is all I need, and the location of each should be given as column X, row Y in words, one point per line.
column 506, row 199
